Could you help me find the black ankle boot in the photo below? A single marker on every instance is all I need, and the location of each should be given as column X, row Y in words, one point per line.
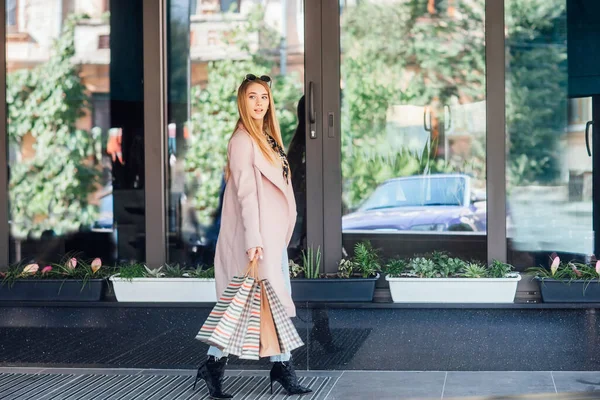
column 212, row 371
column 283, row 372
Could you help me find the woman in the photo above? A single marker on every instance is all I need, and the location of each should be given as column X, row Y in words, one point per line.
column 257, row 220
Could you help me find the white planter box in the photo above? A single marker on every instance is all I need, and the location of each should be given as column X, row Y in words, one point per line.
column 453, row 290
column 196, row 290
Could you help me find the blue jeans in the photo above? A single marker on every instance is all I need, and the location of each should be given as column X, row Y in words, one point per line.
column 285, row 270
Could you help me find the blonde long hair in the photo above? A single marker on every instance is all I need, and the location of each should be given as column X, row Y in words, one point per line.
column 245, row 121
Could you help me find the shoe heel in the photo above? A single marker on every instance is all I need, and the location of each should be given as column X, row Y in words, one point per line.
column 196, row 380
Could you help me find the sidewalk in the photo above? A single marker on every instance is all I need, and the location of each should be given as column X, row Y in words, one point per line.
column 153, row 384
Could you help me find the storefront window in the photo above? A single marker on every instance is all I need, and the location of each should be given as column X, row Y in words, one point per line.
column 210, row 51
column 413, row 125
column 75, row 132
column 549, row 100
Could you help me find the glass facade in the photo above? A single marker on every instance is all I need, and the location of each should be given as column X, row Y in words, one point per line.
column 75, row 131
column 413, row 124
column 428, row 140
column 401, row 126
column 209, row 54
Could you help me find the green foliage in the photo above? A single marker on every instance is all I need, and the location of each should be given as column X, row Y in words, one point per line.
column 536, row 88
column 420, row 62
column 396, row 268
column 50, row 190
column 423, row 267
column 366, row 259
column 346, row 268
column 475, row 270
column 311, row 262
column 133, row 270
column 567, row 272
column 201, row 273
column 447, row 266
column 442, row 265
column 498, row 269
column 295, row 269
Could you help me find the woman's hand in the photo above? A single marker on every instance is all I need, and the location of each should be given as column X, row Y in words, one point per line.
column 255, row 252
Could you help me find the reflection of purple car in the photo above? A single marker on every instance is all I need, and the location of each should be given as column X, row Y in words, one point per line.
column 440, row 202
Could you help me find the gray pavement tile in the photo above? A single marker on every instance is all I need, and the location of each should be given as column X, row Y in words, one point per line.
column 578, row 381
column 379, row 385
column 497, row 383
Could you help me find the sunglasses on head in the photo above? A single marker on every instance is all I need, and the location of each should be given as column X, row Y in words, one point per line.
column 264, row 78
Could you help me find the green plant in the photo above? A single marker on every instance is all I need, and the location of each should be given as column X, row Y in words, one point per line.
column 295, row 269
column 133, row 270
column 423, row 267
column 474, row 270
column 173, row 271
column 498, row 269
column 312, row 262
column 447, row 266
column 396, row 268
column 366, row 259
column 201, row 273
column 346, row 268
column 567, row 271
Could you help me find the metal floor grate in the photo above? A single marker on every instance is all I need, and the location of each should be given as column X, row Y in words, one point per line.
column 143, row 387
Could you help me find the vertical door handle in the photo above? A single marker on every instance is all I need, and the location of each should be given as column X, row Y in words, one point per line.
column 587, row 137
column 312, row 116
column 425, row 110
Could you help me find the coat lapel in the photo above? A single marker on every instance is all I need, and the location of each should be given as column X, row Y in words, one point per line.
column 272, row 172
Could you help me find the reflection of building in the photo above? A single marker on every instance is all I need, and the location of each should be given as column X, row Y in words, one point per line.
column 34, row 24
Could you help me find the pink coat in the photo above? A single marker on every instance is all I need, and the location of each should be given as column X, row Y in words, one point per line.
column 259, row 209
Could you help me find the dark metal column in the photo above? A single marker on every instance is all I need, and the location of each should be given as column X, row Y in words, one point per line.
column 314, row 133
column 332, row 167
column 4, row 211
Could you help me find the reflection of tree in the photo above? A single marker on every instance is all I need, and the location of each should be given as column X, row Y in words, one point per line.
column 214, row 114
column 401, row 53
column 50, row 188
column 536, row 113
column 404, row 53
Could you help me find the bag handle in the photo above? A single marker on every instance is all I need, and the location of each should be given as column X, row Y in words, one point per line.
column 252, row 270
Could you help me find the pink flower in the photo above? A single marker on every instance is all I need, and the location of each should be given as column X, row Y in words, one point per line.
column 2, row 274
column 31, row 269
column 555, row 264
column 598, row 267
column 46, row 269
column 96, row 264
column 72, row 263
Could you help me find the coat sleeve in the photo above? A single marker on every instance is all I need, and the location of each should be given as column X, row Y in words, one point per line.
column 241, row 166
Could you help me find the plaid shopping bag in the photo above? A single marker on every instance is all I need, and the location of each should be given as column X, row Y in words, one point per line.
column 244, row 340
column 226, row 315
column 286, row 331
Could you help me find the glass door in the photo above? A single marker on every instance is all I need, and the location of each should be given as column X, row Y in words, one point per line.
column 412, row 128
column 212, row 46
column 553, row 92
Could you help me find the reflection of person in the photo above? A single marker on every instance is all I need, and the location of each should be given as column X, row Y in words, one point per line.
column 297, row 159
column 258, row 217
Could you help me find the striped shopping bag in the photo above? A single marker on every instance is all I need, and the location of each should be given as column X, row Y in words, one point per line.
column 226, row 315
column 286, row 331
column 244, row 340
